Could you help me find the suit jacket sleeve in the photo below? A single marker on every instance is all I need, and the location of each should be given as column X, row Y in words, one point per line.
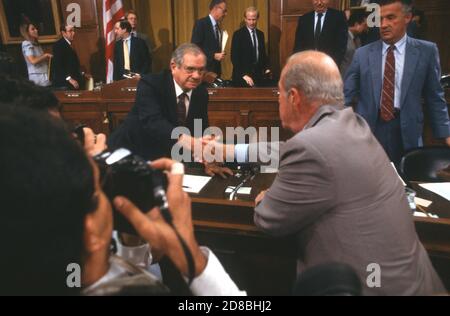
column 116, row 70
column 143, row 56
column 435, row 98
column 342, row 37
column 302, row 192
column 149, row 103
column 198, row 38
column 59, row 72
column 352, row 80
column 236, row 55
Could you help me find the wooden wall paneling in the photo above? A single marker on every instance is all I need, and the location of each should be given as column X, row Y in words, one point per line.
column 437, row 14
column 288, row 28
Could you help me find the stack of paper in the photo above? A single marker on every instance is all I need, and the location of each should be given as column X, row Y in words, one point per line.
column 442, row 189
column 194, row 184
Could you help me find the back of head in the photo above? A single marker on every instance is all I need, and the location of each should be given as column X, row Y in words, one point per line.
column 25, row 93
column 333, row 279
column 47, row 188
column 213, row 3
column 316, row 75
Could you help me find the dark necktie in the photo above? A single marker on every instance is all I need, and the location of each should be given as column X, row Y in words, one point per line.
column 181, row 109
column 388, row 93
column 255, row 47
column 318, row 30
column 218, row 36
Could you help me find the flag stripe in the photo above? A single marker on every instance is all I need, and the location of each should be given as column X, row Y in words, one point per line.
column 113, row 11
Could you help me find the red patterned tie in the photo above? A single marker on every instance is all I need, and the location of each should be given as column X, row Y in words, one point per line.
column 388, row 96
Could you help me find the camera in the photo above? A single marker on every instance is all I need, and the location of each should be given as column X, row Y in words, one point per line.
column 125, row 174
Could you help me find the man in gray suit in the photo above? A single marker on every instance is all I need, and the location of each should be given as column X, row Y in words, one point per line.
column 388, row 79
column 339, row 196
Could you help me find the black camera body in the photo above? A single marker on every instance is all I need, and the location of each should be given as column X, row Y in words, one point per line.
column 128, row 175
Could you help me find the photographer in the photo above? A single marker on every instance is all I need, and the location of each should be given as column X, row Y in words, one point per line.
column 56, row 209
column 24, row 93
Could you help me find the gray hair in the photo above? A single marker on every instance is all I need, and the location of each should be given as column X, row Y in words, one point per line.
column 406, row 4
column 183, row 49
column 310, row 73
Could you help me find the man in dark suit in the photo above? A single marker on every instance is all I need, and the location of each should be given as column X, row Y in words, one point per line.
column 65, row 66
column 323, row 29
column 248, row 52
column 131, row 16
column 208, row 36
column 130, row 53
column 388, row 80
column 170, row 100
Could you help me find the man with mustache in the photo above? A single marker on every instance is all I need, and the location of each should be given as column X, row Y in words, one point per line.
column 164, row 101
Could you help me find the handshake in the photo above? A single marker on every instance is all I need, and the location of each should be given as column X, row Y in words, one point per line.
column 207, row 150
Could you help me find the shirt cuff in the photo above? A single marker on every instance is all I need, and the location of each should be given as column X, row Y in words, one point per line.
column 68, row 78
column 241, row 153
column 214, row 280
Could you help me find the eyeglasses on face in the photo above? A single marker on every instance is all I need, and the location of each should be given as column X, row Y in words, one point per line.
column 191, row 70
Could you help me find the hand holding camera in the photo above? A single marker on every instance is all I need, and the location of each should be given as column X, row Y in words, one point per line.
column 154, row 228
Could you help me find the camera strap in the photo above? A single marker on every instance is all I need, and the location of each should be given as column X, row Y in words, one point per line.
column 187, row 253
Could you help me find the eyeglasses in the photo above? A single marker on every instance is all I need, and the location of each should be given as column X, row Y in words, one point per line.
column 191, row 70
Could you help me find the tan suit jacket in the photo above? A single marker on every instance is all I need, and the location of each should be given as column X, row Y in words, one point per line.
column 338, row 194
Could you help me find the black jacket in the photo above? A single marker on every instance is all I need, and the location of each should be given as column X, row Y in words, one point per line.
column 333, row 39
column 65, row 63
column 204, row 36
column 148, row 127
column 140, row 60
column 242, row 56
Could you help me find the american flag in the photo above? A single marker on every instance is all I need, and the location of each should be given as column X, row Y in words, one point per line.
column 112, row 12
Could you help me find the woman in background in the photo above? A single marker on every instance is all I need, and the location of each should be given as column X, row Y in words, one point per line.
column 37, row 61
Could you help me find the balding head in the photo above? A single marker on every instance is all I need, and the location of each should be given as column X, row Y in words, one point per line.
column 316, row 75
column 309, row 80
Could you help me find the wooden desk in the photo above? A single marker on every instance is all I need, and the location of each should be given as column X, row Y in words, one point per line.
column 258, row 263
column 267, row 266
column 105, row 110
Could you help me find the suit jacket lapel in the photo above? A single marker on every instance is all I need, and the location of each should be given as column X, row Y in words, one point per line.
column 376, row 61
column 411, row 59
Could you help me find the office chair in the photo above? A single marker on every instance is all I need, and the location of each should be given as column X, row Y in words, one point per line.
column 445, row 81
column 331, row 279
column 423, row 164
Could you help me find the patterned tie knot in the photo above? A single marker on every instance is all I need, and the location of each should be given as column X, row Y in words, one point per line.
column 320, row 15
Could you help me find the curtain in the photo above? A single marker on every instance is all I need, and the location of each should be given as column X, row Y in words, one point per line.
column 169, row 23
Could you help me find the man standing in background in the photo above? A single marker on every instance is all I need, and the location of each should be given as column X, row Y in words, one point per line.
column 248, row 52
column 323, row 29
column 208, row 36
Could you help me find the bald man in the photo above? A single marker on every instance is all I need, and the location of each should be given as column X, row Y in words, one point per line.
column 339, row 196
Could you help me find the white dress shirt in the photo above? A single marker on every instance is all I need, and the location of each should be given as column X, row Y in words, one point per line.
column 256, row 38
column 316, row 18
column 399, row 53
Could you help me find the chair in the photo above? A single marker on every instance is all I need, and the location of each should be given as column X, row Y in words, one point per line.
column 445, row 81
column 423, row 164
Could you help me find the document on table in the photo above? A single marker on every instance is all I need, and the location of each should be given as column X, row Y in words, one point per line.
column 243, row 191
column 442, row 189
column 194, row 184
